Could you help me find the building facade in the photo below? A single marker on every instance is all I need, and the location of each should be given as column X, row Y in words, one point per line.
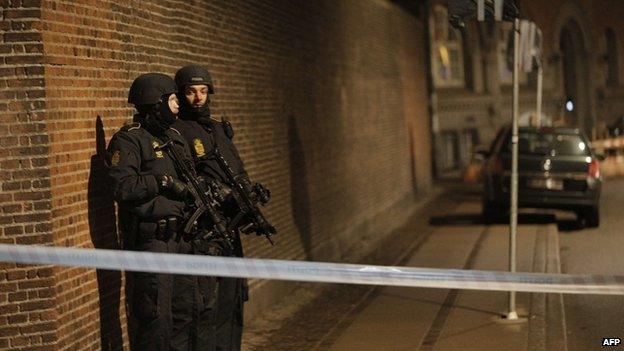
column 472, row 83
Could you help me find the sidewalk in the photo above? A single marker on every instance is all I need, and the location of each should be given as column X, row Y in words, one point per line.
column 346, row 317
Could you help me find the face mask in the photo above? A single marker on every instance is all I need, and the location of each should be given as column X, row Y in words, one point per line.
column 203, row 111
column 160, row 117
column 166, row 115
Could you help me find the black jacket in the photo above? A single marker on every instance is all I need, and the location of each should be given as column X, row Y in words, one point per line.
column 202, row 138
column 133, row 164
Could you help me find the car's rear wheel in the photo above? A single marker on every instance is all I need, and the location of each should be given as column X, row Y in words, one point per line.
column 589, row 217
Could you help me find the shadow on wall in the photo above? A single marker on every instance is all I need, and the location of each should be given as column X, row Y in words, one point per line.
column 412, row 147
column 103, row 231
column 299, row 187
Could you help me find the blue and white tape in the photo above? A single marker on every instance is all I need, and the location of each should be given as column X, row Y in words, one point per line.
column 313, row 271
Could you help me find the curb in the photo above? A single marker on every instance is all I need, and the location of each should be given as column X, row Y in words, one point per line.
column 547, row 327
column 555, row 313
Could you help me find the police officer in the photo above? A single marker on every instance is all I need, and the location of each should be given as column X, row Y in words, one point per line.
column 151, row 198
column 203, row 133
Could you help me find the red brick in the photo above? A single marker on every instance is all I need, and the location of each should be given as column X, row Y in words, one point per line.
column 29, row 240
column 48, row 315
column 9, row 186
column 18, row 296
column 49, row 338
column 31, row 195
column 16, row 275
column 8, row 331
column 18, row 318
column 38, row 327
column 13, row 208
column 43, row 227
column 36, row 305
column 45, row 272
column 15, row 230
column 35, row 283
column 22, row 37
column 17, row 341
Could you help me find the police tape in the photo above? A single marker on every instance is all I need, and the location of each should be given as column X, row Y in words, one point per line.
column 313, row 271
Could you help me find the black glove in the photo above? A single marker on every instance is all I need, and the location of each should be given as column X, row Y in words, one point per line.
column 220, row 191
column 263, row 194
column 212, row 247
column 175, row 186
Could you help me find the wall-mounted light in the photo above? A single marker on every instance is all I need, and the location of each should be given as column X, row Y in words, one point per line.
column 569, row 105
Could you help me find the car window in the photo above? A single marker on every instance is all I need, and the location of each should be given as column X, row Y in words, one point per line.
column 501, row 133
column 550, row 144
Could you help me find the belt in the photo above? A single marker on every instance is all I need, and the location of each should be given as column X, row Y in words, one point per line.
column 162, row 229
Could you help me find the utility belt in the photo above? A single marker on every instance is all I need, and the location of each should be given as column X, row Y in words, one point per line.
column 162, row 229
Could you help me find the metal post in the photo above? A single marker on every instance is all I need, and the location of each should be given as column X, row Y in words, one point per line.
column 512, row 315
column 538, row 108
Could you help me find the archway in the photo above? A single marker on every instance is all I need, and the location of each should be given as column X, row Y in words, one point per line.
column 576, row 83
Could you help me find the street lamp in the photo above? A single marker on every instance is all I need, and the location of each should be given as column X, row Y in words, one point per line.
column 501, row 10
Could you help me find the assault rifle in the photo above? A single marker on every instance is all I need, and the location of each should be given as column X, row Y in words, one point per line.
column 246, row 198
column 204, row 200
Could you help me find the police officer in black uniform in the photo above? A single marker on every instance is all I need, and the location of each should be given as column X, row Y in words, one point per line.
column 151, row 203
column 203, row 133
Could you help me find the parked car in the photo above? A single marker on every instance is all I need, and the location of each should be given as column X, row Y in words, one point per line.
column 556, row 169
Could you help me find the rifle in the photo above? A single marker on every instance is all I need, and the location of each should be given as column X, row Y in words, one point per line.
column 248, row 209
column 203, row 200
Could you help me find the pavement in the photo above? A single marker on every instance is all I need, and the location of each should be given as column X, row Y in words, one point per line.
column 445, row 233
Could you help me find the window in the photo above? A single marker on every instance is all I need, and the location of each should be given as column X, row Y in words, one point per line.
column 540, row 143
column 505, row 48
column 447, row 61
column 613, row 70
column 446, row 151
column 468, row 139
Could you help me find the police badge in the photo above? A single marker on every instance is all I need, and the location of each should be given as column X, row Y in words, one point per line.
column 199, row 147
column 158, row 152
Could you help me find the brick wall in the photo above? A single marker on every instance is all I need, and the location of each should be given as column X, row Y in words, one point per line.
column 27, row 314
column 328, row 101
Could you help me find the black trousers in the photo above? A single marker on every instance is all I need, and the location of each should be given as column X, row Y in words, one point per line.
column 151, row 302
column 172, row 312
column 207, row 312
column 194, row 308
column 229, row 313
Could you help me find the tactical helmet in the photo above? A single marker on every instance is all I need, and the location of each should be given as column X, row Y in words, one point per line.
column 148, row 88
column 193, row 75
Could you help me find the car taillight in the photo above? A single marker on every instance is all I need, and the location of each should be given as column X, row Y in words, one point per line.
column 594, row 169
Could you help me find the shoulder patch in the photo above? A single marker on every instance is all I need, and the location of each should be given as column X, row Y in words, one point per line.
column 131, row 126
column 227, row 128
column 115, row 158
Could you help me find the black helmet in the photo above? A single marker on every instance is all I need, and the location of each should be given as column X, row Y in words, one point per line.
column 193, row 75
column 147, row 89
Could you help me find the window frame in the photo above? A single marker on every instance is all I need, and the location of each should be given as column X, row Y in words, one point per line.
column 453, row 46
